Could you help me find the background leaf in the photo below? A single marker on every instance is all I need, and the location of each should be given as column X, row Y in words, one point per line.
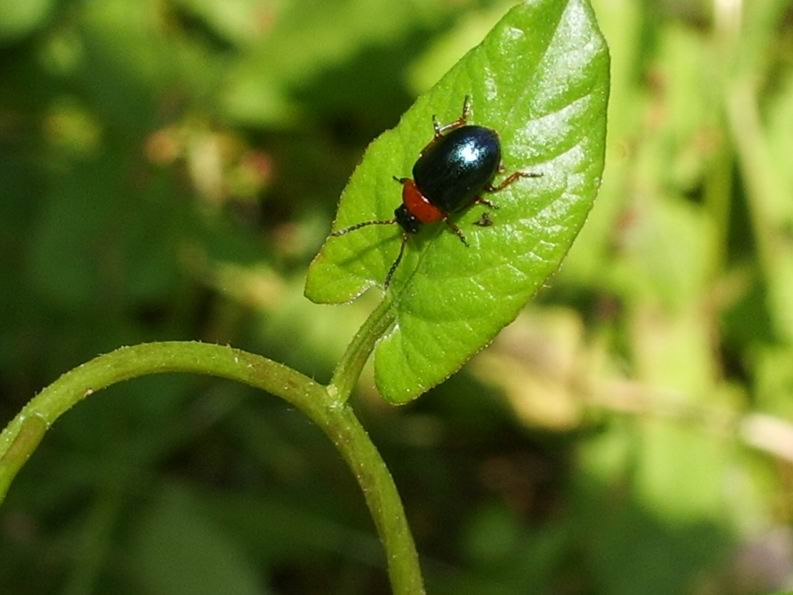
column 540, row 79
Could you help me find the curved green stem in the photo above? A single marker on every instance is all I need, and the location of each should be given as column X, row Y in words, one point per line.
column 337, row 420
column 349, row 368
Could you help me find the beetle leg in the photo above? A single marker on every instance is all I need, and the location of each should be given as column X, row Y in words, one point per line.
column 510, row 179
column 484, row 220
column 458, row 123
column 457, row 231
column 441, row 129
column 483, row 201
column 436, row 126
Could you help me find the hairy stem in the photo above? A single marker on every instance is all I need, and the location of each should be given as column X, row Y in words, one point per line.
column 337, row 420
column 349, row 369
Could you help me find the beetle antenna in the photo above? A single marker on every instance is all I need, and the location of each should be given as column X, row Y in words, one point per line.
column 466, row 108
column 394, row 266
column 346, row 230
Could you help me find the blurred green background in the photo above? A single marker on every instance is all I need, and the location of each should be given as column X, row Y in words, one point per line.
column 169, row 167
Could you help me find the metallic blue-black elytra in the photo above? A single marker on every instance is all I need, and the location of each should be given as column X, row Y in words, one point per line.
column 454, row 170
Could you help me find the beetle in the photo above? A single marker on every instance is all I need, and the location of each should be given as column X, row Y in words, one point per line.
column 450, row 174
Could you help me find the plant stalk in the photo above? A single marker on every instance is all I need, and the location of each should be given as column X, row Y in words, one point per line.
column 337, row 420
column 352, row 362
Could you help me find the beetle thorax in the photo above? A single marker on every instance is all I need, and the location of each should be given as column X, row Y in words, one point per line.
column 419, row 205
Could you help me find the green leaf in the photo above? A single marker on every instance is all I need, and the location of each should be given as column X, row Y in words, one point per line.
column 540, row 78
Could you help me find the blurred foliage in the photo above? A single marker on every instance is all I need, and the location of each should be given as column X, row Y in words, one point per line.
column 168, row 169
